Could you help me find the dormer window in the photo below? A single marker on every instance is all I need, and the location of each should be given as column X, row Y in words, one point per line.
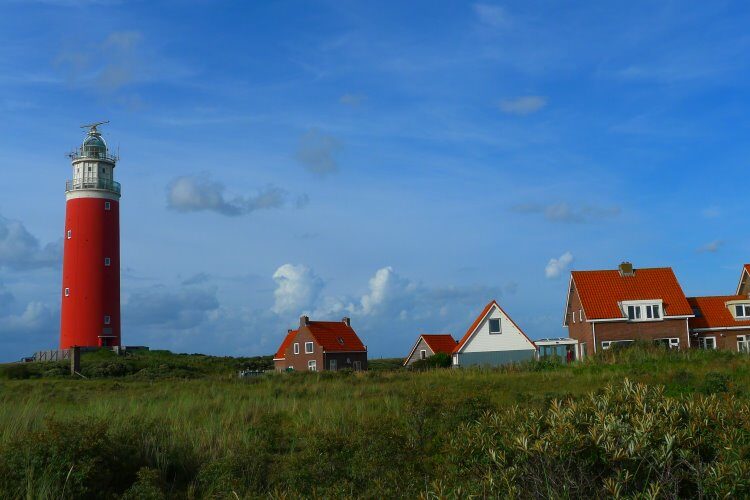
column 642, row 311
column 742, row 311
column 341, row 340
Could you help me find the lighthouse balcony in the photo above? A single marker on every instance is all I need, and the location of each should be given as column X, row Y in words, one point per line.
column 96, row 184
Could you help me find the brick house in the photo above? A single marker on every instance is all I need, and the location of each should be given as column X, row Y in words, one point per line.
column 723, row 322
column 608, row 307
column 430, row 344
column 321, row 345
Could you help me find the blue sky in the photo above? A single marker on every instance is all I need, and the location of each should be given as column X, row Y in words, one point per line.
column 401, row 163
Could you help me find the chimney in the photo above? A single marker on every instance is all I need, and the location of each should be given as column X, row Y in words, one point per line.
column 626, row 269
column 289, row 331
column 304, row 321
column 347, row 321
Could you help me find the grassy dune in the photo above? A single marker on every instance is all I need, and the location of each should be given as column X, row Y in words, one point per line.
column 386, row 433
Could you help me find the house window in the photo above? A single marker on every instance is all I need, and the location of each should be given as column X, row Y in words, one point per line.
column 652, row 311
column 494, row 326
column 296, row 348
column 743, row 343
column 634, row 312
column 455, row 359
column 107, row 205
column 582, row 347
column 742, row 310
column 67, row 292
column 107, row 261
column 308, row 347
column 611, row 343
column 580, row 315
column 332, row 365
column 312, row 365
column 357, row 366
column 422, row 354
column 672, row 343
column 707, row 343
column 574, row 316
column 70, row 234
column 107, row 320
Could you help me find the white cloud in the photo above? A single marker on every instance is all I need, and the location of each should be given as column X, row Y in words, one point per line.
column 491, row 15
column 174, row 308
column 555, row 267
column 711, row 247
column 199, row 193
column 20, row 250
column 564, row 212
column 524, row 105
column 297, row 289
column 711, row 212
column 352, row 99
column 318, row 151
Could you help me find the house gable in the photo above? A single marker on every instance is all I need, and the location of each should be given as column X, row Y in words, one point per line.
column 418, row 346
column 479, row 338
column 743, row 288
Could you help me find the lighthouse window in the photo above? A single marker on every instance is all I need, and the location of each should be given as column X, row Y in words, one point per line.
column 107, row 320
column 107, row 261
column 107, row 205
column 89, row 169
column 67, row 292
column 70, row 234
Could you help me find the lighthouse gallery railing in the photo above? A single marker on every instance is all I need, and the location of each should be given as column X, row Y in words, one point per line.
column 99, row 184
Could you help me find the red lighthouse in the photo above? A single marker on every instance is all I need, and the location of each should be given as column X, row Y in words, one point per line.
column 91, row 256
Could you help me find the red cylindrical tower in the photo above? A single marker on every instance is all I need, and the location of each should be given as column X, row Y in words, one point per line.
column 91, row 255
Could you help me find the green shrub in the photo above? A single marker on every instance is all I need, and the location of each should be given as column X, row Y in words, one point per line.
column 17, row 371
column 439, row 360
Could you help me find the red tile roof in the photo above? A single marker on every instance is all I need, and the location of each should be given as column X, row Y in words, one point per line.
column 479, row 319
column 280, row 354
column 335, row 336
column 601, row 291
column 440, row 342
column 714, row 312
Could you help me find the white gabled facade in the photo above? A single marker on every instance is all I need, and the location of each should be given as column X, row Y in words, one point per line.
column 480, row 345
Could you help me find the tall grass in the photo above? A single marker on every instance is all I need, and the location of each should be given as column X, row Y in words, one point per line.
column 396, row 433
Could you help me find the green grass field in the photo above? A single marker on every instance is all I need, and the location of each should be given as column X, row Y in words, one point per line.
column 157, row 425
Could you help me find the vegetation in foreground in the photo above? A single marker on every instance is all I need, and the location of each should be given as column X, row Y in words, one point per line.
column 678, row 427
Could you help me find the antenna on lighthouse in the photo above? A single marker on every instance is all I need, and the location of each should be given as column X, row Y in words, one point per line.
column 92, row 126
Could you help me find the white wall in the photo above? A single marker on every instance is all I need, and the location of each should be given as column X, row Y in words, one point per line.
column 511, row 338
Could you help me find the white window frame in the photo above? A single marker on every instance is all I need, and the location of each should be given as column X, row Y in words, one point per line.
column 743, row 343
column 70, row 234
column 455, row 359
column 704, row 345
column 107, row 262
column 642, row 309
column 357, row 366
column 580, row 315
column 312, row 365
column 311, row 346
column 423, row 354
column 107, row 320
column 674, row 342
column 499, row 326
column 67, row 292
column 332, row 365
column 296, row 348
column 606, row 344
column 745, row 308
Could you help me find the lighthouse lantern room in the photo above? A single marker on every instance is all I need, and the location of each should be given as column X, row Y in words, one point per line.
column 90, row 312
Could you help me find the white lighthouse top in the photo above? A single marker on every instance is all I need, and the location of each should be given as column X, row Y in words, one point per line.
column 93, row 168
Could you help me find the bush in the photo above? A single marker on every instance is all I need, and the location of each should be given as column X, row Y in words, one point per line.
column 439, row 360
column 626, row 441
column 17, row 371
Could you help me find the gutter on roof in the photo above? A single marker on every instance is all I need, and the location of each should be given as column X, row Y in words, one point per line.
column 717, row 328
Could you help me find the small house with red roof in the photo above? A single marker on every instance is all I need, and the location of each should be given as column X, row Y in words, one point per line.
column 321, row 345
column 623, row 305
column 493, row 339
column 430, row 344
column 723, row 322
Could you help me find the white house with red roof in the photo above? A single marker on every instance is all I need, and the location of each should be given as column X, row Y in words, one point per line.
column 430, row 344
column 493, row 339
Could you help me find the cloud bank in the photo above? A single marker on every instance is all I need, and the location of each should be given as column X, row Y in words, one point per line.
column 199, row 193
